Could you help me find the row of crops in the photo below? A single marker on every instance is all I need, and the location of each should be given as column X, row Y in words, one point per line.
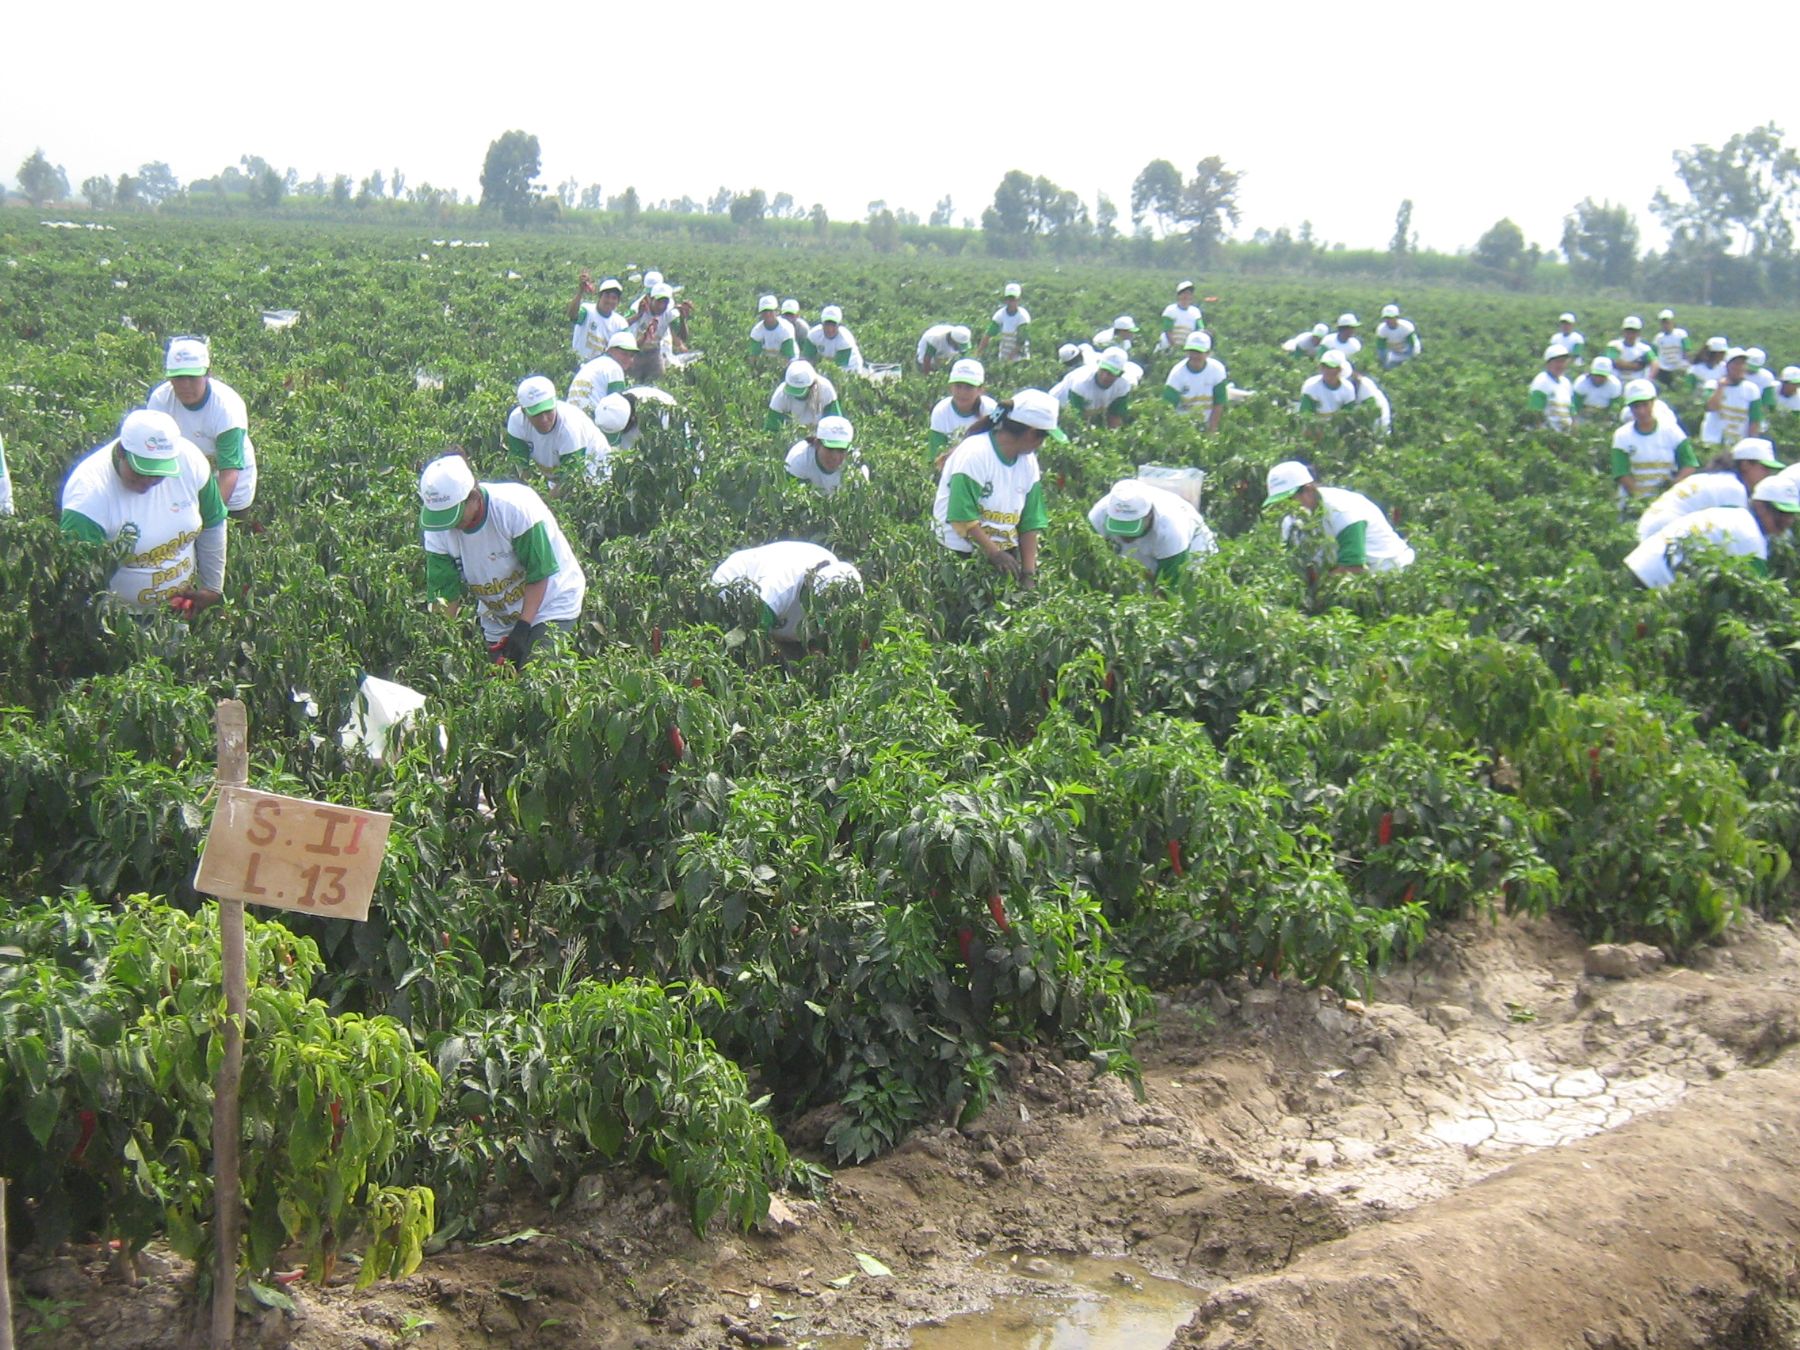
column 650, row 900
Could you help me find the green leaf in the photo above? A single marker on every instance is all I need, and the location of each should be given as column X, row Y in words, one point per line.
column 511, row 1239
column 870, row 1265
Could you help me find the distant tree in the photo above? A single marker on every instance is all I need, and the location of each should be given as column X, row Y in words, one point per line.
column 874, row 209
column 781, row 205
column 98, row 190
column 1502, row 247
column 1600, row 241
column 1156, row 192
column 1402, row 243
column 396, row 184
column 568, row 191
column 749, row 208
column 509, row 177
column 627, row 205
column 1106, row 218
column 884, row 231
column 126, row 194
column 821, row 223
column 590, row 197
column 1209, row 205
column 720, row 204
column 41, row 181
column 268, row 189
column 314, row 188
column 1738, row 195
column 340, row 190
column 905, row 217
column 1011, row 217
column 686, row 206
column 156, row 184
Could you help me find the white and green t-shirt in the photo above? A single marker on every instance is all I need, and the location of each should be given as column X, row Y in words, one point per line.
column 1081, row 390
column 948, row 426
column 779, row 573
column 518, row 542
column 1633, row 359
column 1015, row 343
column 841, row 350
column 803, row 463
column 821, row 401
column 165, row 521
column 1671, row 349
column 1573, row 342
column 1734, row 528
column 1179, row 322
column 594, row 331
column 1318, row 397
column 1191, row 390
column 657, row 330
column 1364, row 537
column 1398, row 336
column 1553, row 396
column 977, row 484
column 1367, row 391
column 1652, row 458
column 1737, row 409
column 219, row 429
column 594, row 381
column 936, row 344
column 1696, row 492
column 574, row 439
column 1348, row 347
column 1594, row 394
column 1786, row 405
column 776, row 341
column 1177, row 534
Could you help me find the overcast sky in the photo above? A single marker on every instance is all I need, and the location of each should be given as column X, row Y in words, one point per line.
column 1331, row 114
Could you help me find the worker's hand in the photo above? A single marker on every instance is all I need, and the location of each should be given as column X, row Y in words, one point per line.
column 187, row 603
column 1028, row 579
column 1008, row 563
column 587, row 282
column 516, row 647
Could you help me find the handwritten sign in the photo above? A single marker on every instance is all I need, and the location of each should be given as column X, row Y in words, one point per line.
column 289, row 853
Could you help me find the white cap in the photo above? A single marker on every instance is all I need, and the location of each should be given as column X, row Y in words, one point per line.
column 1640, row 391
column 836, row 573
column 1717, row 344
column 1601, row 365
column 662, row 291
column 1126, row 322
column 1790, row 374
column 959, row 335
column 790, row 306
column 1780, row 492
column 800, row 375
column 1035, row 408
column 1390, row 311
column 831, row 314
column 1335, row 360
column 536, row 394
column 1758, row 450
column 1632, row 321
column 1127, row 507
column 968, row 371
column 1321, row 329
column 1348, row 321
column 1287, row 478
column 1013, row 290
column 835, row 432
column 1565, row 317
column 1197, row 342
column 653, row 279
column 444, row 485
column 187, row 356
column 1068, row 353
column 610, row 284
column 1666, row 314
column 624, row 340
column 150, row 440
column 1554, row 350
column 1736, row 353
column 767, row 302
column 1755, row 356
column 1181, row 286
column 612, row 414
column 1113, row 359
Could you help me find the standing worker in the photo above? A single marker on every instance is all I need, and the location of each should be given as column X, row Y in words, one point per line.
column 1344, row 342
column 1397, row 339
column 1632, row 357
column 1567, row 338
column 1198, row 381
column 1671, row 345
column 211, row 414
column 1595, row 391
column 1552, row 396
column 1179, row 320
column 661, row 330
column 772, row 337
column 598, row 321
column 1648, row 452
column 499, row 543
column 990, row 497
column 966, row 404
column 1009, row 324
column 830, row 341
column 1357, row 527
column 1328, row 391
column 1735, row 408
column 1153, row 527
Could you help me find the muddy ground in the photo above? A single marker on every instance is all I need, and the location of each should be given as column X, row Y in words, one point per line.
column 1499, row 1148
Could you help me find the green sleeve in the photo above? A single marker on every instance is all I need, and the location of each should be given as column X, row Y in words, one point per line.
column 1221, row 393
column 1576, row 401
column 1685, row 457
column 1035, row 516
column 1616, row 349
column 1077, row 402
column 617, row 387
column 1621, row 460
column 1308, row 404
column 1120, row 408
column 810, row 352
column 1169, row 569
column 756, row 348
column 443, row 579
column 1693, row 382
column 78, row 526
column 1168, row 324
column 767, row 619
column 212, row 505
column 1686, row 346
column 1577, row 350
column 787, row 349
column 517, row 449
column 1170, row 397
column 993, row 328
column 1761, row 568
column 773, row 421
column 1353, row 545
column 533, row 549
column 843, row 358
column 1540, row 401
column 935, row 441
column 965, row 498
column 833, row 409
column 229, row 449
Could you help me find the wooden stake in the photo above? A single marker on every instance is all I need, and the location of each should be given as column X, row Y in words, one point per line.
column 6, row 1334
column 233, row 767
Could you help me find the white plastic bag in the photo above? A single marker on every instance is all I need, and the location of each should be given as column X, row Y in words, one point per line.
column 381, row 706
column 1184, row 482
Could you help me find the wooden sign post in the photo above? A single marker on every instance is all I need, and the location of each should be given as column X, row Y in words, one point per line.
column 287, row 853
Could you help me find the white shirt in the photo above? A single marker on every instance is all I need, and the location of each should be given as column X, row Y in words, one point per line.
column 1183, row 323
column 1083, row 383
column 829, row 347
column 1669, row 354
column 594, row 381
column 946, row 421
column 1731, row 423
column 1007, row 486
column 772, row 340
column 806, row 411
column 574, row 434
column 1194, row 389
column 1011, row 323
column 1327, row 400
column 937, row 345
column 1559, row 409
column 1367, row 391
column 594, row 330
column 1175, row 528
column 1734, row 528
column 1696, row 492
column 1383, row 548
column 1594, row 396
column 220, row 411
column 166, row 518
column 803, row 464
column 1653, row 456
column 6, row 492
column 1396, row 334
column 492, row 570
column 1349, row 346
column 778, row 572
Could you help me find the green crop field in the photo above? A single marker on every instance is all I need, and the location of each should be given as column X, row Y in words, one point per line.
column 657, row 895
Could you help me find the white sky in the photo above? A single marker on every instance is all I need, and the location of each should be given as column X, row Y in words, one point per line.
column 1474, row 112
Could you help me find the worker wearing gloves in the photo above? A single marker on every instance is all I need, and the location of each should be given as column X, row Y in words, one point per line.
column 551, row 432
column 1648, row 452
column 1397, row 339
column 1357, row 527
column 211, row 414
column 596, row 321
column 1152, row 527
column 1720, row 484
column 1101, row 391
column 821, row 458
column 1009, row 324
column 1198, row 381
column 499, row 543
column 788, row 576
column 990, row 498
column 959, row 410
column 803, row 396
column 155, row 485
column 941, row 343
column 829, row 341
column 661, row 330
column 1774, row 503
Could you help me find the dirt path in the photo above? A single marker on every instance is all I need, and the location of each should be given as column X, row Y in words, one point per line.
column 1323, row 1155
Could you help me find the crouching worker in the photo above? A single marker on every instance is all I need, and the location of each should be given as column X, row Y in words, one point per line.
column 499, row 543
column 1153, row 527
column 990, row 496
column 791, row 578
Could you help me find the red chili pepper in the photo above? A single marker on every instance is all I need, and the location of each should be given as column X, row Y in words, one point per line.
column 1642, row 628
column 1407, row 898
column 1384, row 831
column 337, row 1122
column 1060, row 480
column 89, row 1121
column 1112, row 680
column 656, row 642
column 444, row 938
column 677, row 742
column 1175, row 857
column 997, row 907
column 695, row 683
column 965, row 939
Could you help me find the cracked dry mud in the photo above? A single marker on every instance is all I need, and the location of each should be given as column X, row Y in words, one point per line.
column 1495, row 1150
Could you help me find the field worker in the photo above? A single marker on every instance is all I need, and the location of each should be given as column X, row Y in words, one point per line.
column 651, row 281
column 790, row 313
column 788, row 577
column 1361, row 532
column 1671, row 345
column 1632, row 357
column 1179, row 320
column 1755, row 365
column 1648, row 453
column 1329, row 391
column 941, row 343
column 990, row 499
column 820, row 458
column 1010, row 324
column 1774, row 503
column 1734, row 409
column 1782, row 412
column 1307, row 343
column 1123, row 330
column 1073, row 354
column 1344, row 341
column 1198, row 381
column 1726, row 483
column 1102, row 391
column 598, row 320
column 661, row 330
column 1367, row 391
column 1551, row 394
column 967, row 403
column 211, row 414
column 1708, row 367
column 772, row 337
column 1396, row 339
column 499, row 543
column 829, row 341
column 1152, row 527
column 6, row 492
column 1565, row 336
column 605, row 374
column 803, row 396
column 1595, row 391
column 153, row 484
column 551, row 432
